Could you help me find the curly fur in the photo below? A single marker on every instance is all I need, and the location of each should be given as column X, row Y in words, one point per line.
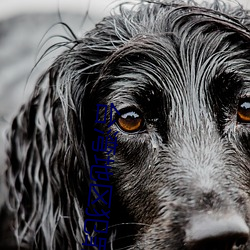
column 184, row 66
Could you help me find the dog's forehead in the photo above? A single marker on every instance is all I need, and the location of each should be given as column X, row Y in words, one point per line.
column 177, row 64
column 187, row 54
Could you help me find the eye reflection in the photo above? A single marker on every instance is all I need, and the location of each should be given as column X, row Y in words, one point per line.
column 130, row 122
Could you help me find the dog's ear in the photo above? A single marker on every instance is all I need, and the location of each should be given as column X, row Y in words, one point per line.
column 48, row 158
column 41, row 160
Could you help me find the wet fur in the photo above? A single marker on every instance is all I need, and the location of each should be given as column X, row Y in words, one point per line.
column 184, row 68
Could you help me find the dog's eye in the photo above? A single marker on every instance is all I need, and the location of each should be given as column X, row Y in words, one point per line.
column 243, row 113
column 130, row 122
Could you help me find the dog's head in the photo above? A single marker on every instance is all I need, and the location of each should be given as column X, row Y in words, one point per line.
column 179, row 77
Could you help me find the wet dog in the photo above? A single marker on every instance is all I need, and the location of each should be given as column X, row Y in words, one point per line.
column 178, row 77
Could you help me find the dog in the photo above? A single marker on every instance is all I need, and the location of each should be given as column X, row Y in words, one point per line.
column 153, row 103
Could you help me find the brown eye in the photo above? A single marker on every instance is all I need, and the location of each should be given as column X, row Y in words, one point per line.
column 130, row 122
column 243, row 113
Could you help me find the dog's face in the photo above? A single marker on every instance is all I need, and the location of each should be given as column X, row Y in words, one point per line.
column 180, row 78
column 182, row 162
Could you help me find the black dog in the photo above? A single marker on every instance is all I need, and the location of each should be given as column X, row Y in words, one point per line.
column 178, row 77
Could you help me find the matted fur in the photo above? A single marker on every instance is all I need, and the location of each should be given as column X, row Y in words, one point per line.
column 184, row 67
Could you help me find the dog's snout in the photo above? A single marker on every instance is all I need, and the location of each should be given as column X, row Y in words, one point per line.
column 222, row 232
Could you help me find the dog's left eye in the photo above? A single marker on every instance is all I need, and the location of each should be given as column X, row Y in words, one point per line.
column 130, row 122
column 243, row 113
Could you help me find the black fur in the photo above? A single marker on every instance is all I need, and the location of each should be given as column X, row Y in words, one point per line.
column 184, row 69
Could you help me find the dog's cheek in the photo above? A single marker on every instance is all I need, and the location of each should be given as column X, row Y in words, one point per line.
column 244, row 139
column 133, row 178
column 239, row 138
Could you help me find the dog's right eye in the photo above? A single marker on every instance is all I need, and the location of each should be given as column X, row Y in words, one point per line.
column 243, row 113
column 130, row 122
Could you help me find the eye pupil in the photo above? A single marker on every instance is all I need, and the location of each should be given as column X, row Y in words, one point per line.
column 243, row 113
column 130, row 122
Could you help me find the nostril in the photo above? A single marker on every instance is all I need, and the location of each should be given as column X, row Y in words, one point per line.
column 223, row 242
column 217, row 232
column 240, row 242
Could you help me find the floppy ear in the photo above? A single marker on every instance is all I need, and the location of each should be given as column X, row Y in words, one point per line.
column 41, row 164
column 48, row 157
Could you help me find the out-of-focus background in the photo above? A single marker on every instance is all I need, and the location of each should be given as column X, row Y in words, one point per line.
column 25, row 26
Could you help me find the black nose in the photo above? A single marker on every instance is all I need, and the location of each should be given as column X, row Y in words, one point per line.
column 217, row 232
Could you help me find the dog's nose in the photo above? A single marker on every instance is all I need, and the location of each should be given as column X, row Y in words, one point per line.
column 217, row 232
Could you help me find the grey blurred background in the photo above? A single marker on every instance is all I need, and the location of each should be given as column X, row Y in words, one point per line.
column 24, row 27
